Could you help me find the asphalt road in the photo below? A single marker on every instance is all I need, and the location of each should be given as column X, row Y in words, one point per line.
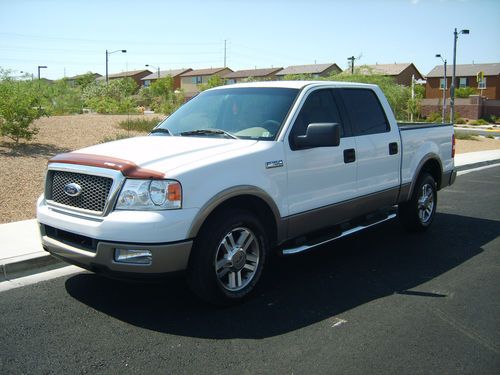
column 384, row 302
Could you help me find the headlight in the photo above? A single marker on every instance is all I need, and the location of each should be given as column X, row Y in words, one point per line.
column 150, row 195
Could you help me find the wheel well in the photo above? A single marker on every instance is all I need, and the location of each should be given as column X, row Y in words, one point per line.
column 434, row 169
column 255, row 205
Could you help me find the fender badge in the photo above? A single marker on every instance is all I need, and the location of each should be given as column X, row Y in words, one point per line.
column 274, row 164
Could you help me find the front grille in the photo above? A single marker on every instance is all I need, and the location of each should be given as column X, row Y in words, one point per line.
column 93, row 196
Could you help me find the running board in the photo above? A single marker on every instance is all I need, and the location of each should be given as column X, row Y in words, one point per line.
column 299, row 249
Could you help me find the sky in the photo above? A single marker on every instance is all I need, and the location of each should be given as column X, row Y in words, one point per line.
column 71, row 37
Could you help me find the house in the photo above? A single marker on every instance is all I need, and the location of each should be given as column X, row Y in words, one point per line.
column 191, row 80
column 401, row 73
column 466, row 76
column 267, row 74
column 314, row 70
column 136, row 75
column 72, row 81
column 174, row 73
column 484, row 103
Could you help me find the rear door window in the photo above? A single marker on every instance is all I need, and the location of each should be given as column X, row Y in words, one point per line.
column 365, row 112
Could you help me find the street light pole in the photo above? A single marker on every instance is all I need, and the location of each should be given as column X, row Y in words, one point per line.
column 107, row 59
column 443, row 117
column 452, row 88
column 40, row 67
column 157, row 69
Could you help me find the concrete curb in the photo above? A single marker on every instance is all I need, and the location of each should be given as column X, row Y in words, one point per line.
column 21, row 253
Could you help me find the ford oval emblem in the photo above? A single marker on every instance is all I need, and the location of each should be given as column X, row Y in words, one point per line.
column 72, row 189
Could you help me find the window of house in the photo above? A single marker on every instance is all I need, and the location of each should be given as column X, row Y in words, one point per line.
column 482, row 84
column 364, row 109
column 463, row 82
column 442, row 84
column 196, row 80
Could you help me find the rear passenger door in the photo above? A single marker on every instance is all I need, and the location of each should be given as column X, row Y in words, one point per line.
column 377, row 146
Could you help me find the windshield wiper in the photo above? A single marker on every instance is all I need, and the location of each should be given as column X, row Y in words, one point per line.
column 161, row 130
column 209, row 131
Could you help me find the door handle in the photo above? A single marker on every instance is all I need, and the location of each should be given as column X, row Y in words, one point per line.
column 393, row 148
column 349, row 155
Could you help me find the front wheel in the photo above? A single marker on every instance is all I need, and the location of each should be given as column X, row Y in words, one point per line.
column 418, row 213
column 228, row 257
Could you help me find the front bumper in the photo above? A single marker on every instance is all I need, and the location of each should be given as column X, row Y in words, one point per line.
column 98, row 256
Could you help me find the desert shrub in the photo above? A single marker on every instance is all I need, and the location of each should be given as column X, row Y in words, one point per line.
column 19, row 107
column 466, row 136
column 59, row 98
column 114, row 97
column 161, row 97
column 298, row 77
column 140, row 124
column 479, row 122
column 115, row 138
column 434, row 117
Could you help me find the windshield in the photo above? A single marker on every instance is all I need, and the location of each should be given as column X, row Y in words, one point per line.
column 248, row 113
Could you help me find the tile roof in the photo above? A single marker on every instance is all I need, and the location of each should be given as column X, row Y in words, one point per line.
column 307, row 69
column 203, row 72
column 386, row 69
column 253, row 73
column 165, row 73
column 125, row 74
column 96, row 75
column 467, row 70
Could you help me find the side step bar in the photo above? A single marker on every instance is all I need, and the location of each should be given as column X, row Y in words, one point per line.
column 299, row 249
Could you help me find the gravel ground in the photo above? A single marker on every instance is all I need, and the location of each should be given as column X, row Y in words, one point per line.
column 23, row 167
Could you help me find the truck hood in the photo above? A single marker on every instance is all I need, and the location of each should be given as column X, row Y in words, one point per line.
column 164, row 153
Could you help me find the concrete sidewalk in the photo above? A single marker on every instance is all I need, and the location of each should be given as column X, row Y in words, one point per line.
column 22, row 253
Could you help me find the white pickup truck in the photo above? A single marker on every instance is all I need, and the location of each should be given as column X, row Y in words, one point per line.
column 238, row 172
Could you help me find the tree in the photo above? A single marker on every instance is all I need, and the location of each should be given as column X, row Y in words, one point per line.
column 19, row 107
column 213, row 81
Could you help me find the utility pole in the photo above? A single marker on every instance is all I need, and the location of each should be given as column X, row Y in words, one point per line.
column 225, row 44
column 352, row 58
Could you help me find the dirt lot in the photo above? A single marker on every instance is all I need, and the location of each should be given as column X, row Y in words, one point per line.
column 23, row 167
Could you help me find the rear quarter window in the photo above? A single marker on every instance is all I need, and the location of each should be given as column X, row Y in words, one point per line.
column 365, row 111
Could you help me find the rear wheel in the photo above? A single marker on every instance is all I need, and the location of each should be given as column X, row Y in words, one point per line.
column 418, row 213
column 228, row 257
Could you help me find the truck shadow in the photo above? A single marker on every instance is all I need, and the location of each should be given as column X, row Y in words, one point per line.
column 301, row 290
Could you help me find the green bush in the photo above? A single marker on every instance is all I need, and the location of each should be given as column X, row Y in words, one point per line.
column 213, row 81
column 465, row 92
column 460, row 120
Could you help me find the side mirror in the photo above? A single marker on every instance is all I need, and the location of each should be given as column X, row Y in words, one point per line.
column 321, row 134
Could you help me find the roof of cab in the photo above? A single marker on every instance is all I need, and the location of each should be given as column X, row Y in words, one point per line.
column 294, row 84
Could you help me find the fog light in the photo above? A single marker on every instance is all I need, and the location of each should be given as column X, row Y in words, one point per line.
column 133, row 256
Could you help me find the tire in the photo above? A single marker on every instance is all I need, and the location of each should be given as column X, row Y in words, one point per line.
column 418, row 213
column 228, row 257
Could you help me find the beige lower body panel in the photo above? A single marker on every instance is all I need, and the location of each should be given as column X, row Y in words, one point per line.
column 166, row 258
